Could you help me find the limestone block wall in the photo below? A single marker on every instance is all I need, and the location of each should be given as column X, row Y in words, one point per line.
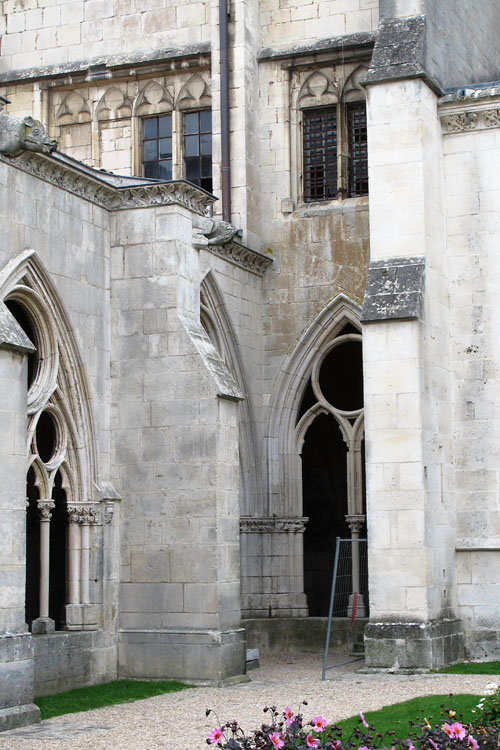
column 61, row 33
column 16, row 646
column 175, row 436
column 411, row 511
column 287, row 23
column 471, row 159
column 70, row 240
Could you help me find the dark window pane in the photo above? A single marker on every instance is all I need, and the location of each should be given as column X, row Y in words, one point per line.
column 206, row 143
column 191, row 123
column 165, row 170
column 358, row 148
column 165, row 126
column 206, row 166
column 206, row 183
column 165, row 148
column 192, row 169
column 150, row 127
column 151, row 169
column 206, row 121
column 191, row 145
column 150, row 150
column 320, row 154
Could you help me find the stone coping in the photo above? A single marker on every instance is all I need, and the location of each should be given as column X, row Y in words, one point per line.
column 112, row 192
column 98, row 67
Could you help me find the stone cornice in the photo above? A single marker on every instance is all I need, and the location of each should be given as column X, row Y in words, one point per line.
column 108, row 66
column 91, row 187
column 272, row 525
column 347, row 42
column 242, row 256
column 474, row 118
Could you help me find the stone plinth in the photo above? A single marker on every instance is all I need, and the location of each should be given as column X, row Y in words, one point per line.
column 413, row 645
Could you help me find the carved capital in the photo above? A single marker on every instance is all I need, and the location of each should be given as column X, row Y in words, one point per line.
column 82, row 514
column 273, row 525
column 44, row 508
column 355, row 522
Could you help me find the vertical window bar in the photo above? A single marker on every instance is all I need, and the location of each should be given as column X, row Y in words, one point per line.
column 358, row 149
column 320, row 154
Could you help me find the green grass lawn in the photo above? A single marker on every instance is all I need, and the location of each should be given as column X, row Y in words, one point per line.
column 107, row 694
column 399, row 715
column 473, row 667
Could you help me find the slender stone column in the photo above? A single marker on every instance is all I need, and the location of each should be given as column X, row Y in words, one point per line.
column 43, row 623
column 74, row 547
column 355, row 524
column 85, row 561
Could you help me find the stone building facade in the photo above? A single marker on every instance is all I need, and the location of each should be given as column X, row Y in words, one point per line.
column 194, row 410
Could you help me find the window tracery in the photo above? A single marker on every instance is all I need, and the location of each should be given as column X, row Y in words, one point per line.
column 60, row 457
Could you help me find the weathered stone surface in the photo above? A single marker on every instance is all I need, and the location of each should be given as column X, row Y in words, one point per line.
column 394, row 289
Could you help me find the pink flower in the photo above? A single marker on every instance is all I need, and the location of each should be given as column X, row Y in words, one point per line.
column 458, row 730
column 311, row 741
column 411, row 746
column 363, row 747
column 289, row 716
column 276, row 740
column 335, row 745
column 433, row 744
column 471, row 742
column 318, row 723
column 365, row 723
column 448, row 729
column 215, row 736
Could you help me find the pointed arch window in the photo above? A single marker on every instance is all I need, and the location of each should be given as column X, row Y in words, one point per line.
column 60, row 471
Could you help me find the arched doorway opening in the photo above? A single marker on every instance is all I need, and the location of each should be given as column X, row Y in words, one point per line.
column 330, row 429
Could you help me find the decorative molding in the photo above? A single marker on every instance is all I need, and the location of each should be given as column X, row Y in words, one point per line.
column 272, row 525
column 44, row 508
column 462, row 122
column 83, row 514
column 96, row 188
column 242, row 256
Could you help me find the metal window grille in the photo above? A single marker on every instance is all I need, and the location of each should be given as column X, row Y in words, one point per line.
column 358, row 149
column 320, row 154
column 198, row 148
column 157, row 147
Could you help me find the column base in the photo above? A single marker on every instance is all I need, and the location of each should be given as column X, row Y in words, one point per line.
column 15, row 717
column 413, row 645
column 43, row 626
column 202, row 657
column 360, row 607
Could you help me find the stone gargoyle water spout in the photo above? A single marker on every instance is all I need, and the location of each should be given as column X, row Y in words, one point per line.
column 28, row 134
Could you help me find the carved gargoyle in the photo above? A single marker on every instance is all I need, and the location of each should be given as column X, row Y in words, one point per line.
column 27, row 134
column 211, row 232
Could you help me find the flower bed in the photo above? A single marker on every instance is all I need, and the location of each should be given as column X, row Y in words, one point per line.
column 287, row 730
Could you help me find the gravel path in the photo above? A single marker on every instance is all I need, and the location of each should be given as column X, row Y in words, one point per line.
column 178, row 722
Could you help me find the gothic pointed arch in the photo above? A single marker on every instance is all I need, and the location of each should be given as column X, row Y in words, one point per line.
column 113, row 105
column 194, row 94
column 283, row 491
column 25, row 282
column 216, row 320
column 353, row 89
column 60, row 447
column 317, row 90
column 153, row 99
column 73, row 109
